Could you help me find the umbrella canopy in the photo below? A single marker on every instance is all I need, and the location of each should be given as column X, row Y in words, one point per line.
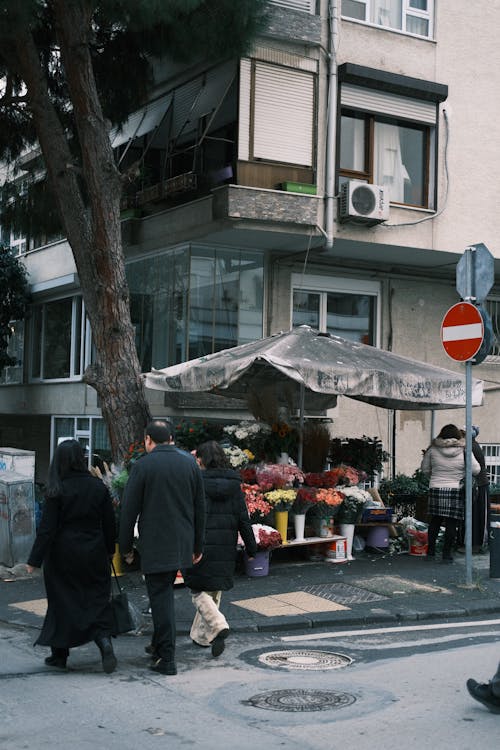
column 326, row 366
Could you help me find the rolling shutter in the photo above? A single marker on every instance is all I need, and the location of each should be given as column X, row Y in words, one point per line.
column 283, row 118
column 384, row 103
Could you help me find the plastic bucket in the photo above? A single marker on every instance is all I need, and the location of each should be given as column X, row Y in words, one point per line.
column 378, row 536
column 337, row 551
column 259, row 566
column 419, row 550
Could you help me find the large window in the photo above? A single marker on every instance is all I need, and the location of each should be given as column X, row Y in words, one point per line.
column 91, row 433
column 15, row 349
column 193, row 301
column 344, row 307
column 59, row 335
column 493, row 310
column 408, row 16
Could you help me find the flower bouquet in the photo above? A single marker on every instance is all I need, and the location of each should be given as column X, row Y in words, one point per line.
column 352, row 507
column 267, row 537
column 305, row 499
column 257, row 506
column 327, row 503
column 249, row 435
column 238, row 457
column 248, row 475
column 281, row 499
column 277, row 476
column 323, row 478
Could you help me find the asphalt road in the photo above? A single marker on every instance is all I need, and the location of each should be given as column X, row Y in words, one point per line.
column 362, row 688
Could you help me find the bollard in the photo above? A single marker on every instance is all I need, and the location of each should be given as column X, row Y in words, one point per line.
column 495, row 545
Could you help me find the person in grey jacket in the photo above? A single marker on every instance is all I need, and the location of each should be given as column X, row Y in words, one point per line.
column 165, row 492
column 444, row 462
column 227, row 515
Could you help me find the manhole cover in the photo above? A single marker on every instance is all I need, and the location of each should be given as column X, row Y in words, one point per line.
column 300, row 700
column 302, row 659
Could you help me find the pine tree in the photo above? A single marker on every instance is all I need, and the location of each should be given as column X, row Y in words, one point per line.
column 71, row 69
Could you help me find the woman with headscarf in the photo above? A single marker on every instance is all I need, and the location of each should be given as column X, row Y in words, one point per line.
column 75, row 542
column 444, row 463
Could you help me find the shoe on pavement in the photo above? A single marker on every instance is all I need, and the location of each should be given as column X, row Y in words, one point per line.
column 150, row 649
column 56, row 661
column 164, row 667
column 218, row 644
column 482, row 692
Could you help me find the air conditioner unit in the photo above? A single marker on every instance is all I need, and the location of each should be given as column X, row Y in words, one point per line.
column 363, row 203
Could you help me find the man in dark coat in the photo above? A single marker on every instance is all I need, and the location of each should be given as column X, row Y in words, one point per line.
column 165, row 492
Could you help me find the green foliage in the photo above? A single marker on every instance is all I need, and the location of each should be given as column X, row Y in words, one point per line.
column 402, row 484
column 365, row 453
column 189, row 434
column 13, row 300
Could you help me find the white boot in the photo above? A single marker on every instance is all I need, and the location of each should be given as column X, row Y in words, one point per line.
column 208, row 621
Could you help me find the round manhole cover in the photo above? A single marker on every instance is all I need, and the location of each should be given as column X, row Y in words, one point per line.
column 300, row 700
column 305, row 659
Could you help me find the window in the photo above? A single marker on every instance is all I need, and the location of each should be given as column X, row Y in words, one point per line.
column 493, row 310
column 277, row 112
column 388, row 132
column 387, row 151
column 194, row 301
column 492, row 459
column 409, row 16
column 343, row 307
column 91, row 433
column 307, row 6
column 59, row 335
column 15, row 349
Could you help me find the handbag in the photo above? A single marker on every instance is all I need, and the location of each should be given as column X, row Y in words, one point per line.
column 122, row 620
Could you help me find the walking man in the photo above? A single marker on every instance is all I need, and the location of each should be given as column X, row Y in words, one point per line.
column 165, row 492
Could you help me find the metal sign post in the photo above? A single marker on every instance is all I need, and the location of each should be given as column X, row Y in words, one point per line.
column 475, row 276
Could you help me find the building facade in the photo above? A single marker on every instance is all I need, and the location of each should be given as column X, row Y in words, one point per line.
column 334, row 177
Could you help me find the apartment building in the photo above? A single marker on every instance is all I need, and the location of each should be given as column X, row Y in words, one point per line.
column 333, row 177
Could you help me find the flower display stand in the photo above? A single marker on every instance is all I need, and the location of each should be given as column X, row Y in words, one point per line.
column 281, row 523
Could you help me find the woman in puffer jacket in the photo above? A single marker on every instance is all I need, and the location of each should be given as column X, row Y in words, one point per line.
column 444, row 462
column 227, row 515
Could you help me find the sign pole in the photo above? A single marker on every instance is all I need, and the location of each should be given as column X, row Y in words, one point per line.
column 468, row 473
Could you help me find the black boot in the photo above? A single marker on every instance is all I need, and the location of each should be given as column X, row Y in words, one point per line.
column 57, row 658
column 107, row 654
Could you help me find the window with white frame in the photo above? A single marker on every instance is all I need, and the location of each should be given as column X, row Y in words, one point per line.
column 408, row 16
column 491, row 453
column 389, row 140
column 91, row 433
column 60, row 340
column 345, row 307
column 15, row 349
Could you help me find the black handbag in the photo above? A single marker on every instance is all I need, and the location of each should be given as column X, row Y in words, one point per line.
column 121, row 620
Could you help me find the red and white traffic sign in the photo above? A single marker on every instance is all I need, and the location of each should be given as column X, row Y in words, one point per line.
column 462, row 331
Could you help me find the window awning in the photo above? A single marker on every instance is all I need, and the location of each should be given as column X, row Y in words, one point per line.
column 142, row 121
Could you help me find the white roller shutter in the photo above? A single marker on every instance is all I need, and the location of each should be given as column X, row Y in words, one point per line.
column 308, row 6
column 283, row 115
column 244, row 110
column 381, row 102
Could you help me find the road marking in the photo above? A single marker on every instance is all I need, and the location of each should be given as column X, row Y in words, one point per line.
column 389, row 629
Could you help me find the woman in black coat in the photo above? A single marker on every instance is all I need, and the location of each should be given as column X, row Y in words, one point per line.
column 227, row 515
column 75, row 541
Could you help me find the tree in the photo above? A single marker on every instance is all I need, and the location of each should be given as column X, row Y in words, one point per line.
column 62, row 64
column 13, row 300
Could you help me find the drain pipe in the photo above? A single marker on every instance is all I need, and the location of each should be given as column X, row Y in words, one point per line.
column 331, row 121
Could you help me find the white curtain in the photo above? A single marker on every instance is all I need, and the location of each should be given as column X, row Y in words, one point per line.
column 388, row 167
column 388, row 13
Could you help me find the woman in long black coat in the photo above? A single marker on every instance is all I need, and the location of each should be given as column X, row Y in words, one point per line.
column 75, row 541
column 227, row 515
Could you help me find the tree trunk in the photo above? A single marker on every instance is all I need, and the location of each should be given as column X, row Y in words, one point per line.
column 92, row 225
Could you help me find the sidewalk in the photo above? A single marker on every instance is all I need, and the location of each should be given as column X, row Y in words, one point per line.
column 299, row 595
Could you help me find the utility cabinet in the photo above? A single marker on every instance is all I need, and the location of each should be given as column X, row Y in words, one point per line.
column 20, row 461
column 17, row 517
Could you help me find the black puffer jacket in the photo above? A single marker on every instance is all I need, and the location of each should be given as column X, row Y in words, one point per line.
column 226, row 515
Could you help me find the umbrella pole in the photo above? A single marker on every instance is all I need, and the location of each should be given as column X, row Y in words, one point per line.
column 301, row 426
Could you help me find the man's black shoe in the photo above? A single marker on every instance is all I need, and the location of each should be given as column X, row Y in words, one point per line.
column 482, row 693
column 56, row 661
column 164, row 667
column 218, row 644
column 150, row 649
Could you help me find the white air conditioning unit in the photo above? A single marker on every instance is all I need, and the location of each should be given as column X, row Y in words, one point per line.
column 363, row 203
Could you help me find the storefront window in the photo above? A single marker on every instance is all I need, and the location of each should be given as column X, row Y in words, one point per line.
column 194, row 300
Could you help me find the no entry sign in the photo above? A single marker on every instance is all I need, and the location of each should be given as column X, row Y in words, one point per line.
column 462, row 331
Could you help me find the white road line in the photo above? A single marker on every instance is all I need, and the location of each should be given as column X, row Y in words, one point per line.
column 388, row 629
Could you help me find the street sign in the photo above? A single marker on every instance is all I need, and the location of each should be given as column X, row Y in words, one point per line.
column 462, row 331
column 488, row 338
column 475, row 273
